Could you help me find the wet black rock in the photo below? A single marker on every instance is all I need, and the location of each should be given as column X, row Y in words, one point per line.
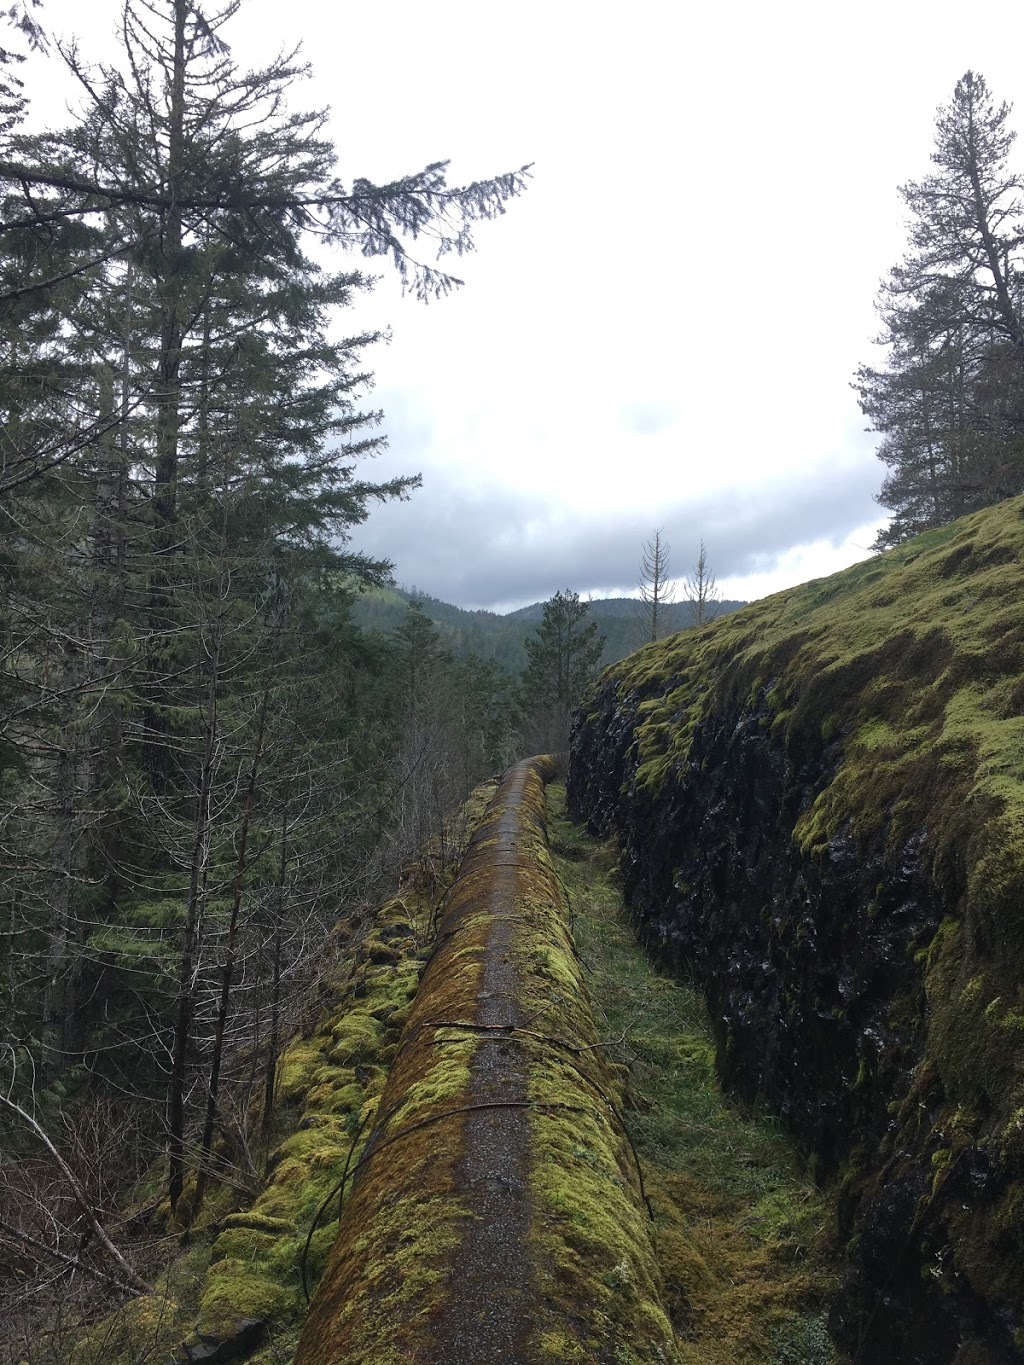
column 245, row 1339
column 811, row 969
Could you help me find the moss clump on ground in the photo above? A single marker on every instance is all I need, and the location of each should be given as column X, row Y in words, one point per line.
column 742, row 1234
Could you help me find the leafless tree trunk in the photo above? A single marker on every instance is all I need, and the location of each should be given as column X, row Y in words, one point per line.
column 655, row 589
column 273, row 1042
column 63, row 951
column 198, row 866
column 701, row 593
column 237, row 886
column 84, row 744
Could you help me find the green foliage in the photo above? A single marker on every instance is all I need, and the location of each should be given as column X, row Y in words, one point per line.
column 501, row 640
column 480, row 634
column 200, row 754
column 562, row 656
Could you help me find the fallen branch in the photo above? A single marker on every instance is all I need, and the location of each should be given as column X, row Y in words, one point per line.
column 73, row 1262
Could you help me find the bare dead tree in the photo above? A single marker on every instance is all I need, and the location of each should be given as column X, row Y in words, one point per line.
column 655, row 589
column 705, row 601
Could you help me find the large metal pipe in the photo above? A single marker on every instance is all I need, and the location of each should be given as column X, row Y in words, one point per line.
column 497, row 1210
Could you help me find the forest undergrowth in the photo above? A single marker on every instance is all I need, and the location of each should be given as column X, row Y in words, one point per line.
column 744, row 1237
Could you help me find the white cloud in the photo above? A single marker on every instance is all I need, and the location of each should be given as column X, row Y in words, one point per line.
column 663, row 331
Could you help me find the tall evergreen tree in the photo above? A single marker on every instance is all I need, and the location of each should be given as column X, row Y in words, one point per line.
column 562, row 658
column 196, row 762
column 949, row 403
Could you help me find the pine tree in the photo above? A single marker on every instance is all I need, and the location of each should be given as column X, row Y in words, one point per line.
column 198, row 755
column 948, row 402
column 562, row 658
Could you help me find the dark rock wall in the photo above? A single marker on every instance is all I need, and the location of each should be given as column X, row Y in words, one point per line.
column 814, row 972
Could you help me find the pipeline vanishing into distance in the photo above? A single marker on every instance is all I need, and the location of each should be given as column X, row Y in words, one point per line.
column 496, row 1211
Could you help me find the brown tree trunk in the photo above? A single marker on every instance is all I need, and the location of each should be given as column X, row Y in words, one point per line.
column 228, row 969
column 273, row 1044
column 196, row 895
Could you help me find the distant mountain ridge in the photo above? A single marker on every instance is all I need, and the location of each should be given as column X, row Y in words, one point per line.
column 502, row 637
column 679, row 615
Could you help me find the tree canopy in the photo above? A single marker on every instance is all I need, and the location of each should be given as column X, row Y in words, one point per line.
column 200, row 753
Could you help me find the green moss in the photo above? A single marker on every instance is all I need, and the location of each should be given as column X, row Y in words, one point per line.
column 390, row 1272
column 916, row 658
column 297, row 1063
column 144, row 1331
column 444, row 1085
column 911, row 667
column 741, row 1233
column 356, row 1039
column 243, row 1244
column 975, row 1035
column 386, row 1273
column 259, row 1222
column 234, row 1291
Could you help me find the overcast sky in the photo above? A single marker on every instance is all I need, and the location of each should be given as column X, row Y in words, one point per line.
column 663, row 330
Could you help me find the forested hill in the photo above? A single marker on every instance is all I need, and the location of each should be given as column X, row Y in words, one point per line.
column 502, row 637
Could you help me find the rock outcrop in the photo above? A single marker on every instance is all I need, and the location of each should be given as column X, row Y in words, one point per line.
column 820, row 801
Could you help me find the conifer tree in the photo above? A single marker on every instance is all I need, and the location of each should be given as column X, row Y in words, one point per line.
column 562, row 658
column 184, row 813
column 948, row 402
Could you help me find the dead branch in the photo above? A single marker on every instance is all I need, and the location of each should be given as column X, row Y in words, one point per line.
column 134, row 1282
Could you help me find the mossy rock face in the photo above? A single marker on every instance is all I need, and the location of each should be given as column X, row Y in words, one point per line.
column 821, row 804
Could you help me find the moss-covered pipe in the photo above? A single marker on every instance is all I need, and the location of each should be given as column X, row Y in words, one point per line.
column 497, row 1211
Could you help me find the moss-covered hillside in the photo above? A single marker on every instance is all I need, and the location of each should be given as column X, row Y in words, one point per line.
column 821, row 801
